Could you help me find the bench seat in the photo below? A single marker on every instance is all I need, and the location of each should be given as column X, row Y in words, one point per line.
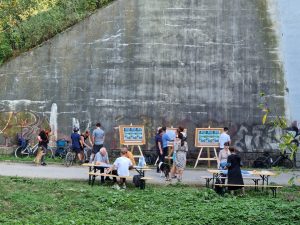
column 272, row 187
column 209, row 178
column 116, row 176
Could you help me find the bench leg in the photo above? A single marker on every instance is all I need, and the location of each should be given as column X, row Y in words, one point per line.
column 256, row 184
column 90, row 176
column 93, row 180
column 207, row 182
column 274, row 189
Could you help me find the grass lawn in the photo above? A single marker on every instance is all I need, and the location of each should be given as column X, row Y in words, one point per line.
column 37, row 201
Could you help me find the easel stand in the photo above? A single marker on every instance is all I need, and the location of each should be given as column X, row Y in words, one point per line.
column 140, row 151
column 215, row 158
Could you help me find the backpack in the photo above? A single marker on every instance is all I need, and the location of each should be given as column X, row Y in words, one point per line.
column 137, row 180
column 220, row 190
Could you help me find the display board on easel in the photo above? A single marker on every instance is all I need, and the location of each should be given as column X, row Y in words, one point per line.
column 207, row 138
column 133, row 135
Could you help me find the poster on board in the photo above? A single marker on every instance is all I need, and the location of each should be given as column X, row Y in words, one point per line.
column 207, row 137
column 171, row 131
column 132, row 135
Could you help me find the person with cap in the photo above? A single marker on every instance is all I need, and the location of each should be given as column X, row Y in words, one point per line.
column 76, row 144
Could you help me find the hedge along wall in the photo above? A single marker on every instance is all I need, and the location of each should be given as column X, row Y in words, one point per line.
column 25, row 24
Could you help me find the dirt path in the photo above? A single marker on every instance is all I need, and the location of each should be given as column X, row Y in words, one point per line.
column 191, row 176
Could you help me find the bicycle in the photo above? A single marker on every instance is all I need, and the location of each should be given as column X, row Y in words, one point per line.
column 267, row 161
column 26, row 150
column 71, row 156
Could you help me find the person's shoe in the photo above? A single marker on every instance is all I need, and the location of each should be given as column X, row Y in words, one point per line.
column 124, row 186
column 116, row 186
column 174, row 177
column 43, row 164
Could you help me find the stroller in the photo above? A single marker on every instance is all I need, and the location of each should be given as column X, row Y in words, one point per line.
column 62, row 148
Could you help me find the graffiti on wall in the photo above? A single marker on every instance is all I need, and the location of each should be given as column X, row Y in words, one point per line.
column 255, row 138
column 25, row 123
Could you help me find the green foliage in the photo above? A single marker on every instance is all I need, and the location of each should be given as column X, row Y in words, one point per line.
column 37, row 201
column 287, row 138
column 25, row 24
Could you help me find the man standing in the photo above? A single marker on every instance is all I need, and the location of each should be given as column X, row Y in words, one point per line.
column 165, row 139
column 159, row 147
column 224, row 137
column 97, row 140
column 77, row 146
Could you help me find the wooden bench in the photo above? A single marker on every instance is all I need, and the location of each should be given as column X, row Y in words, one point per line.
column 143, row 179
column 209, row 178
column 272, row 187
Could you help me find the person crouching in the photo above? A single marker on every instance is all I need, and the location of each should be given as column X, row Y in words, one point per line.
column 121, row 168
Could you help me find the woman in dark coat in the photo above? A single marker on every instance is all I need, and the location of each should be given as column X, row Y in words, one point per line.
column 234, row 171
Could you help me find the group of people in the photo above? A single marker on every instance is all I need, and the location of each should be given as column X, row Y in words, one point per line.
column 180, row 148
column 228, row 159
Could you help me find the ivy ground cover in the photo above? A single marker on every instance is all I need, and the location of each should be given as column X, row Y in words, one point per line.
column 38, row 201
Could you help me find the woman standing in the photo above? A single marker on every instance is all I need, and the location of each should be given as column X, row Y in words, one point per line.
column 181, row 148
column 234, row 171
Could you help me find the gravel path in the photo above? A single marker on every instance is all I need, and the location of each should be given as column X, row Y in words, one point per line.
column 54, row 171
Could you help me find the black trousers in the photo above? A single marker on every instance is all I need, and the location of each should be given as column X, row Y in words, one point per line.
column 161, row 158
column 115, row 172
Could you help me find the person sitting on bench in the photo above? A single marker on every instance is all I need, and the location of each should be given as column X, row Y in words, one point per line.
column 234, row 171
column 121, row 168
column 129, row 155
column 102, row 158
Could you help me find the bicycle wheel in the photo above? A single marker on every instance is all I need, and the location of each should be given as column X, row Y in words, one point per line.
column 260, row 162
column 286, row 163
column 69, row 159
column 50, row 153
column 21, row 153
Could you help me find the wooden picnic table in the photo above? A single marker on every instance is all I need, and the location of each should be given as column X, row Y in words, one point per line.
column 264, row 174
column 94, row 168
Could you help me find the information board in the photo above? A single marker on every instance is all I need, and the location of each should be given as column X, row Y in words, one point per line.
column 132, row 135
column 207, row 137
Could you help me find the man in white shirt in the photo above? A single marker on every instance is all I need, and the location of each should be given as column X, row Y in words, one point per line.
column 224, row 137
column 122, row 165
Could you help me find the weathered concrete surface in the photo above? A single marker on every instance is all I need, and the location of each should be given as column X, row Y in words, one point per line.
column 185, row 62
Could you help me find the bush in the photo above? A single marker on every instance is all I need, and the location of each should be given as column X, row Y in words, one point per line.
column 26, row 24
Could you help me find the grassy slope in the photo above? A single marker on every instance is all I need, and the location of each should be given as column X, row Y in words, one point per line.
column 26, row 24
column 35, row 201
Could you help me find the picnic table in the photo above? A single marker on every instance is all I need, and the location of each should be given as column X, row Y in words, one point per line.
column 263, row 174
column 94, row 168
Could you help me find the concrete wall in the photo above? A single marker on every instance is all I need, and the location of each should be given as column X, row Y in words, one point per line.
column 193, row 63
